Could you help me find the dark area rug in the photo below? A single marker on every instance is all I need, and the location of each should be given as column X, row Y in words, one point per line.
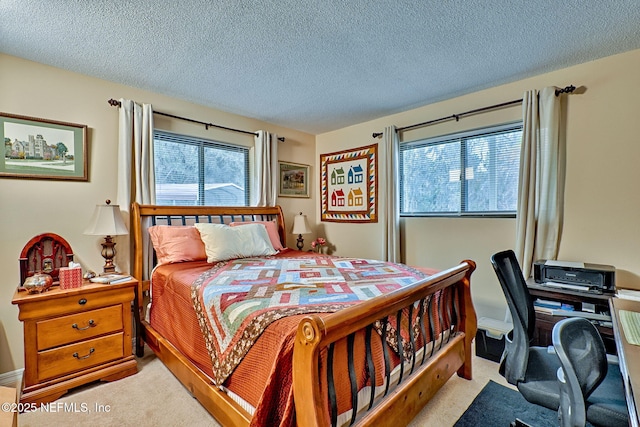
column 497, row 405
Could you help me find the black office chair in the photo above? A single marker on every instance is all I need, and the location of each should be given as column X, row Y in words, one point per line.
column 590, row 388
column 531, row 369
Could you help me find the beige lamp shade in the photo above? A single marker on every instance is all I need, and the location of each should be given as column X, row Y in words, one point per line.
column 300, row 225
column 106, row 221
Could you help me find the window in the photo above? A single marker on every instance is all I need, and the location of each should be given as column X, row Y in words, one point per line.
column 196, row 171
column 471, row 173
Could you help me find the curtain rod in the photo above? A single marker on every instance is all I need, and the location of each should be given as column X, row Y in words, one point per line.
column 116, row 103
column 457, row 117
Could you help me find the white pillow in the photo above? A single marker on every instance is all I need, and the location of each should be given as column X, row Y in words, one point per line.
column 222, row 242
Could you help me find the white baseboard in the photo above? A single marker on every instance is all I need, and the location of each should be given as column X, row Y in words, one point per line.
column 11, row 379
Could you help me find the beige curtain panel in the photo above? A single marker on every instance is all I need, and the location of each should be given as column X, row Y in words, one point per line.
column 542, row 176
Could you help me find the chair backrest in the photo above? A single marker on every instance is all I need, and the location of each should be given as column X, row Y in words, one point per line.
column 515, row 357
column 583, row 361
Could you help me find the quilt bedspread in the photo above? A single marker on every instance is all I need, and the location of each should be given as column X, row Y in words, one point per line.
column 236, row 300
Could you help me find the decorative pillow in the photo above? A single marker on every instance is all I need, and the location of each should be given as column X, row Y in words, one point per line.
column 222, row 242
column 272, row 231
column 177, row 243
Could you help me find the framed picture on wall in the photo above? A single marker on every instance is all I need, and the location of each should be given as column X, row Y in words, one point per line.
column 42, row 149
column 294, row 180
column 349, row 187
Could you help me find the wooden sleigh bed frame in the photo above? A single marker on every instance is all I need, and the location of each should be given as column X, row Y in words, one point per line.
column 397, row 407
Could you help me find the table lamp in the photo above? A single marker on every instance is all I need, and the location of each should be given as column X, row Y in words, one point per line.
column 300, row 227
column 107, row 221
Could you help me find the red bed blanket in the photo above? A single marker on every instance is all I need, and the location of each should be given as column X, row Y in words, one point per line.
column 236, row 300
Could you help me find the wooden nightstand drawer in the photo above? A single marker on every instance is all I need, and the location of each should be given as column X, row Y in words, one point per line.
column 79, row 356
column 81, row 299
column 79, row 326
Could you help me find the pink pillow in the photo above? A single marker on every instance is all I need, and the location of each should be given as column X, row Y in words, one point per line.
column 272, row 231
column 177, row 243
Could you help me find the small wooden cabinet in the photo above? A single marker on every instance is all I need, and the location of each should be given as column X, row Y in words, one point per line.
column 75, row 336
column 545, row 322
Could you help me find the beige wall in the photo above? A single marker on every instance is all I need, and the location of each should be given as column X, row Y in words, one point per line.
column 602, row 203
column 31, row 207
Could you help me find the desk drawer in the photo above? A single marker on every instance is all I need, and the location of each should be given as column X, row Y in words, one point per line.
column 76, row 357
column 78, row 327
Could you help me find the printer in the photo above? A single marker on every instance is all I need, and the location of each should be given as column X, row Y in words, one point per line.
column 575, row 276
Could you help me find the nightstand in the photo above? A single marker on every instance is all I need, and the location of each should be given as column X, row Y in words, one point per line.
column 75, row 336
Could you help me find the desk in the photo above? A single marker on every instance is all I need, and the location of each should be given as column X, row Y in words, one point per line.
column 546, row 322
column 629, row 356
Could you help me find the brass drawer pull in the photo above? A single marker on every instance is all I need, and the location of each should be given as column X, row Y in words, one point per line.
column 91, row 350
column 90, row 325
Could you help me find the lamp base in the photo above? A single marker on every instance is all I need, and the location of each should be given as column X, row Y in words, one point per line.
column 108, row 253
column 300, row 242
column 108, row 269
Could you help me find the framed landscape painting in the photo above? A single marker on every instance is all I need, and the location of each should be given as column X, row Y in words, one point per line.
column 349, row 185
column 42, row 149
column 294, row 180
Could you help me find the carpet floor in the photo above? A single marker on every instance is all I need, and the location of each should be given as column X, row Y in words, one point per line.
column 154, row 397
column 497, row 405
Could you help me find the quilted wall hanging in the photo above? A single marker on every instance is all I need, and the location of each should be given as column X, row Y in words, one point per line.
column 349, row 187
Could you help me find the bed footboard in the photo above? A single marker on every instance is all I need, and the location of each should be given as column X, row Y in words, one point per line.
column 432, row 325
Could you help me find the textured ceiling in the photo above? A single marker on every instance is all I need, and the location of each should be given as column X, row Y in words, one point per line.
column 317, row 65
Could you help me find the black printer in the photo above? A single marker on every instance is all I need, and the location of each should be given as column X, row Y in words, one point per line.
column 575, row 276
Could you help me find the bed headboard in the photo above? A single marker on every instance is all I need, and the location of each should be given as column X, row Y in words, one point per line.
column 144, row 216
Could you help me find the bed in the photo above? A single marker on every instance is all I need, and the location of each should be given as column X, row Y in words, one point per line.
column 385, row 350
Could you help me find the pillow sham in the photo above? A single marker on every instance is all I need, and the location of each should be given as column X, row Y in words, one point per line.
column 222, row 242
column 272, row 231
column 177, row 243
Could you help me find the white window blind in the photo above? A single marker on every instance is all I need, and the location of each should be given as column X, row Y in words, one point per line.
column 197, row 171
column 470, row 173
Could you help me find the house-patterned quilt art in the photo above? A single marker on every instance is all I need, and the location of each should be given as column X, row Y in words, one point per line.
column 236, row 300
column 348, row 187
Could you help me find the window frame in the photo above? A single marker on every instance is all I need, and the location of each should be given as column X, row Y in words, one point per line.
column 202, row 144
column 460, row 136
